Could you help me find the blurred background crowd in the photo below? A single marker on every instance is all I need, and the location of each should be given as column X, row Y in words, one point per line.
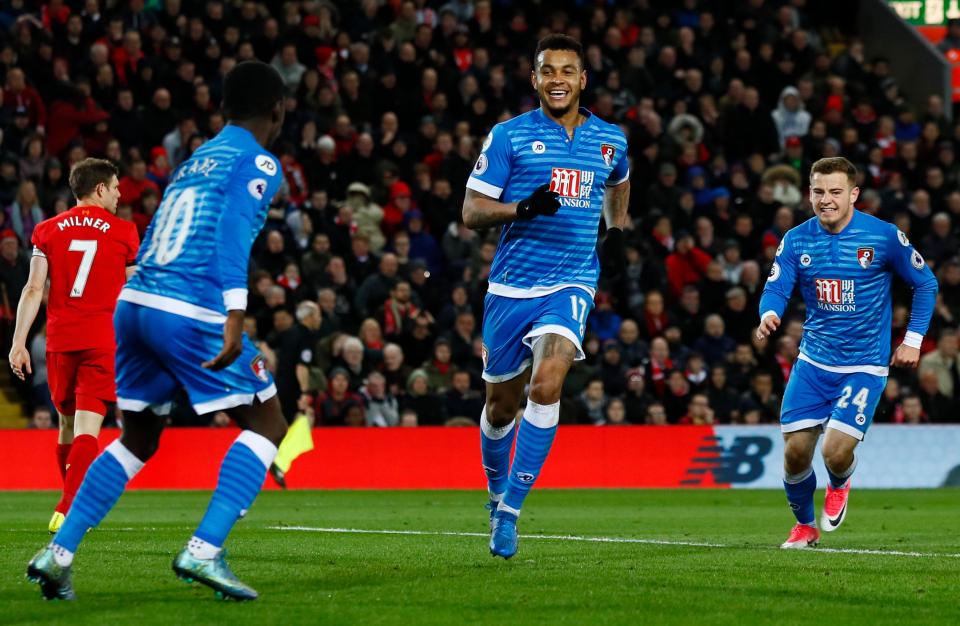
column 366, row 290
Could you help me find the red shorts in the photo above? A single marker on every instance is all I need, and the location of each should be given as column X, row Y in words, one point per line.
column 83, row 380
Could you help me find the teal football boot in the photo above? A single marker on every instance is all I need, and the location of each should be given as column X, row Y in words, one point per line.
column 214, row 573
column 54, row 580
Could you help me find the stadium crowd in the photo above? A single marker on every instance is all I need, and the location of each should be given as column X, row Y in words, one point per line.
column 366, row 290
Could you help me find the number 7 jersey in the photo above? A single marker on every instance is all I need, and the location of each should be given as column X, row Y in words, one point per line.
column 88, row 250
column 195, row 253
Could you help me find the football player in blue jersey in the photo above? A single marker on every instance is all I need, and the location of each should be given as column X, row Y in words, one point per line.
column 843, row 262
column 179, row 324
column 544, row 177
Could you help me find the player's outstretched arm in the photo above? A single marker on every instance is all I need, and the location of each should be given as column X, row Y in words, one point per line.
column 778, row 288
column 30, row 299
column 909, row 264
column 481, row 211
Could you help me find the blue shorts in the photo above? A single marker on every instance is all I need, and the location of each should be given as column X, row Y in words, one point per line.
column 159, row 352
column 511, row 325
column 817, row 397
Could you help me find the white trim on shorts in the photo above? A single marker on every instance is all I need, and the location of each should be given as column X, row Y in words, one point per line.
column 793, row 427
column 531, row 338
column 874, row 370
column 540, row 291
column 234, row 400
column 490, row 378
column 129, row 404
column 846, row 428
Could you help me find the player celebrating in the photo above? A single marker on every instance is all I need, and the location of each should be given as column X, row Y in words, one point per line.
column 547, row 176
column 844, row 261
column 88, row 252
column 186, row 300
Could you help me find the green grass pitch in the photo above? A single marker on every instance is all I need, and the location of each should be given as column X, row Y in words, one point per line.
column 445, row 575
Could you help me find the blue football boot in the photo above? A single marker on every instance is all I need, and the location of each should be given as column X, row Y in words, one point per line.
column 503, row 537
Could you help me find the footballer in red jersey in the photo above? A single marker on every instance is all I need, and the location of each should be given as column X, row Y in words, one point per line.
column 87, row 252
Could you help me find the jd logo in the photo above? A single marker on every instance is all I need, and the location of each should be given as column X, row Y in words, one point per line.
column 741, row 462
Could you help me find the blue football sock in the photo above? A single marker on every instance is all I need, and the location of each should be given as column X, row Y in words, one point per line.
column 535, row 436
column 839, row 480
column 241, row 477
column 800, row 489
column 495, row 445
column 105, row 480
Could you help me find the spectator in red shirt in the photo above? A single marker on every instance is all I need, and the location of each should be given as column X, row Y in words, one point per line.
column 686, row 265
column 18, row 94
column 135, row 183
column 74, row 109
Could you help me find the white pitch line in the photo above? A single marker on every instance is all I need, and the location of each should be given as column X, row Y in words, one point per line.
column 655, row 542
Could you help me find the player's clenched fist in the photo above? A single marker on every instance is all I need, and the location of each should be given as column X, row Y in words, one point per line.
column 906, row 356
column 768, row 325
column 541, row 202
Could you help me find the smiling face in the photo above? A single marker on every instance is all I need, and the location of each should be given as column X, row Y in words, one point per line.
column 832, row 196
column 559, row 78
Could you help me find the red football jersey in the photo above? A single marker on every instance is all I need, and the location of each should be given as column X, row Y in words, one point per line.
column 88, row 250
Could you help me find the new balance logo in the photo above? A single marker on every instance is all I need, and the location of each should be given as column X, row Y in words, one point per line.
column 741, row 462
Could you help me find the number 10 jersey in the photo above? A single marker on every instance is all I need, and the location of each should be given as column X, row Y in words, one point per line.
column 195, row 254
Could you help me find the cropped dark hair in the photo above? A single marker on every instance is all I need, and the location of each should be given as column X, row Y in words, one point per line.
column 88, row 173
column 832, row 165
column 250, row 90
column 558, row 42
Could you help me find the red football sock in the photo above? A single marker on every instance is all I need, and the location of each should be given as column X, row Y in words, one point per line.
column 85, row 449
column 63, row 451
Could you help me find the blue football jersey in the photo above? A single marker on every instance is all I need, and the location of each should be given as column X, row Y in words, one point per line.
column 845, row 281
column 195, row 254
column 549, row 253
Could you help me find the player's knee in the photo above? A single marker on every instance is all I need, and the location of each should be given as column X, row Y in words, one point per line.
column 501, row 411
column 796, row 459
column 545, row 388
column 141, row 447
column 837, row 457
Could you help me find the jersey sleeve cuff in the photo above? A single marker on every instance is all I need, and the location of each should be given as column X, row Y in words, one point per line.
column 484, row 187
column 235, row 299
column 614, row 183
column 38, row 252
column 767, row 314
column 913, row 339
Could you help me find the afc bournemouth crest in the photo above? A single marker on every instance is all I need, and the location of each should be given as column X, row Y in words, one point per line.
column 607, row 152
column 259, row 368
column 865, row 257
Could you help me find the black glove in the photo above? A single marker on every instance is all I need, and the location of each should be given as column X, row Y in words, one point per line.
column 541, row 202
column 613, row 257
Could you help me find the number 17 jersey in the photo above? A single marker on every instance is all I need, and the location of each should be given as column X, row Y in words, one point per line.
column 195, row 253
